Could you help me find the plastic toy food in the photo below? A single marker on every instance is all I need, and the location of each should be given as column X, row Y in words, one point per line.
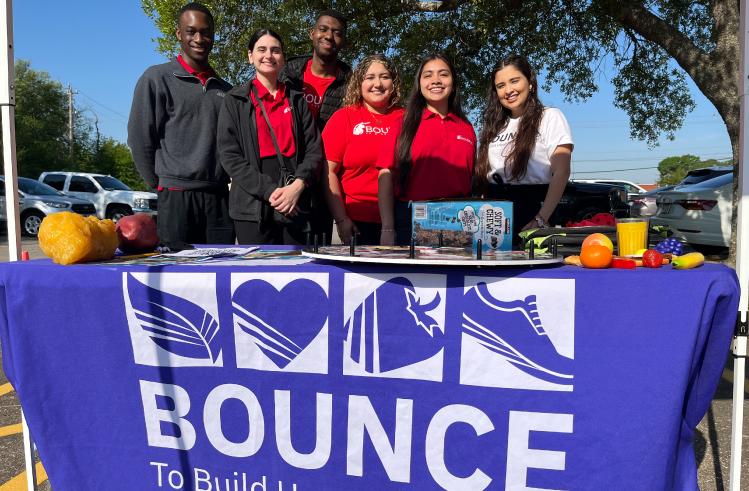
column 652, row 259
column 596, row 257
column 598, row 239
column 689, row 261
column 69, row 238
column 137, row 233
column 622, row 263
column 670, row 245
column 573, row 260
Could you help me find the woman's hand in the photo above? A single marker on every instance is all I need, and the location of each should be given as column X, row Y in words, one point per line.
column 530, row 225
column 346, row 229
column 284, row 199
column 387, row 238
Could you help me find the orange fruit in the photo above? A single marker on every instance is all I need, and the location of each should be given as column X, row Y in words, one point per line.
column 596, row 257
column 598, row 239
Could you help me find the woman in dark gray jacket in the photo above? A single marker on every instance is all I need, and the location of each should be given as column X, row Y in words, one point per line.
column 249, row 154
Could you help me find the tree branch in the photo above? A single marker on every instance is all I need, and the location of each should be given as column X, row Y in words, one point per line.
column 432, row 6
column 651, row 27
column 726, row 16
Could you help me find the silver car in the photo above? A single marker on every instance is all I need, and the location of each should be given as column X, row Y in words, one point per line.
column 37, row 200
column 644, row 205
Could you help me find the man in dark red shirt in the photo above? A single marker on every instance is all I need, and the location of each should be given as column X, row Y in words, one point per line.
column 321, row 77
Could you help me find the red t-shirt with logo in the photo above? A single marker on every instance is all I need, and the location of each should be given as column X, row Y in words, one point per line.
column 279, row 114
column 443, row 154
column 314, row 88
column 353, row 138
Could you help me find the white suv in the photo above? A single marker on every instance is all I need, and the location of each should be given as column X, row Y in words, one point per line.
column 111, row 198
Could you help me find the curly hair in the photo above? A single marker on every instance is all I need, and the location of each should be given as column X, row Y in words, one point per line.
column 353, row 89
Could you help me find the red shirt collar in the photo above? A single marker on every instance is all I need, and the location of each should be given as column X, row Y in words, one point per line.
column 203, row 76
column 264, row 94
column 308, row 69
column 429, row 114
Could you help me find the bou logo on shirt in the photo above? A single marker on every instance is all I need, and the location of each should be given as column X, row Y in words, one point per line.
column 364, row 128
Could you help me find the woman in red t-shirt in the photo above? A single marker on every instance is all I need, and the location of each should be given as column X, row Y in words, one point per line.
column 429, row 154
column 352, row 140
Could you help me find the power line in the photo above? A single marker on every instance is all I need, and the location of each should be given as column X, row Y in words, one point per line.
column 691, row 149
column 626, row 120
column 638, row 159
column 102, row 105
column 685, row 123
column 615, row 170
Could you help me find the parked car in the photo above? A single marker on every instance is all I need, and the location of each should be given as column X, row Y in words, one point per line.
column 631, row 187
column 644, row 205
column 700, row 214
column 37, row 200
column 111, row 198
column 695, row 176
column 582, row 200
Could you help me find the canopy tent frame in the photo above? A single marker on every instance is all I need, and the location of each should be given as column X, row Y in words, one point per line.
column 10, row 170
column 739, row 347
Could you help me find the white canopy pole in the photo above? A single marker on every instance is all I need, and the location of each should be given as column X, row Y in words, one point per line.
column 742, row 262
column 7, row 107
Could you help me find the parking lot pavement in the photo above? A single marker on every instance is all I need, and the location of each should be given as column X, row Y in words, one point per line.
column 29, row 244
column 12, row 464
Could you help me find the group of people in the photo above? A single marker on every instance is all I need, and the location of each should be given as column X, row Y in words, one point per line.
column 307, row 142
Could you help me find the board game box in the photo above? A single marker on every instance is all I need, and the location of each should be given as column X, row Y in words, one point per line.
column 462, row 222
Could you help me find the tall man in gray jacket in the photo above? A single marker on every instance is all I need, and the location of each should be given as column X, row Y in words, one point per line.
column 172, row 136
column 321, row 77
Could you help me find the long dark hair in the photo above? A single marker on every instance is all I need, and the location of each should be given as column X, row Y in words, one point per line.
column 413, row 115
column 496, row 118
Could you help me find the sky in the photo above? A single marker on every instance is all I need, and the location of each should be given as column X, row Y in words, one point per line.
column 101, row 48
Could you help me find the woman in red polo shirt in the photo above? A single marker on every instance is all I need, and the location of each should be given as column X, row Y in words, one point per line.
column 248, row 152
column 429, row 153
column 352, row 140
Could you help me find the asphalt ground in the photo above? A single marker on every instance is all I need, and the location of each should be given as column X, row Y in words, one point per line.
column 712, row 443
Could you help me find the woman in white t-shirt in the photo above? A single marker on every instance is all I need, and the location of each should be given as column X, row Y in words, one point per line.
column 524, row 149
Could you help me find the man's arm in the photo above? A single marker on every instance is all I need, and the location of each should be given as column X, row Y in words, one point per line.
column 142, row 130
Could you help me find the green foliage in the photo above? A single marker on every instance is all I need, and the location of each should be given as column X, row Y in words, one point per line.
column 41, row 121
column 42, row 133
column 674, row 169
column 569, row 41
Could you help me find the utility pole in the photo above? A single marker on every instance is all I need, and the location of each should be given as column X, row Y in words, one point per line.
column 70, row 122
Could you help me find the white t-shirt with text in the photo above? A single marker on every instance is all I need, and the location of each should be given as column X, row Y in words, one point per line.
column 553, row 131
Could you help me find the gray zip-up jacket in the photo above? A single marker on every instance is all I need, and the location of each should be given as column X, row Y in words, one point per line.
column 172, row 128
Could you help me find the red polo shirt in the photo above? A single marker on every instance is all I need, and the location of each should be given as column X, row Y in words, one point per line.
column 314, row 88
column 202, row 76
column 353, row 138
column 279, row 114
column 443, row 154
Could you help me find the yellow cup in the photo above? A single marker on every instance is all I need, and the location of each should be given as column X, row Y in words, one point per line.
column 631, row 235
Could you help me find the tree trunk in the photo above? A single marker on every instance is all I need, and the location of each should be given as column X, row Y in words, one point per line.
column 715, row 74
